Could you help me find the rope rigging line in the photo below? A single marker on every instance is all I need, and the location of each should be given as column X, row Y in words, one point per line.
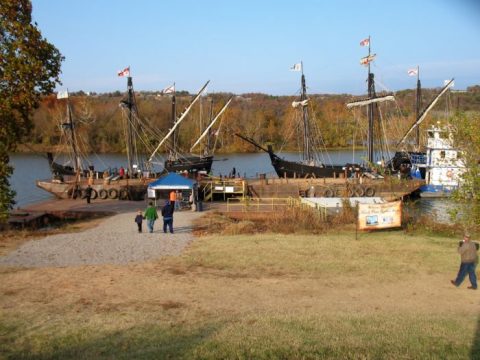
column 319, row 138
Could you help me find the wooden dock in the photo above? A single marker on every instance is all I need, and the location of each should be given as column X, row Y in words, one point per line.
column 388, row 188
column 41, row 214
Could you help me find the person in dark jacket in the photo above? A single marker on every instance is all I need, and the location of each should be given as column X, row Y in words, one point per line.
column 167, row 213
column 139, row 220
column 88, row 193
column 469, row 259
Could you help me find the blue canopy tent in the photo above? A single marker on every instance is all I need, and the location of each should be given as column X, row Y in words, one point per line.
column 171, row 181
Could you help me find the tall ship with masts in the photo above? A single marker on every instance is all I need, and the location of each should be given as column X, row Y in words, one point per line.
column 311, row 164
column 70, row 180
column 176, row 160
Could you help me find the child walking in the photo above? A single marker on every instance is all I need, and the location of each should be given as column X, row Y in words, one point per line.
column 139, row 220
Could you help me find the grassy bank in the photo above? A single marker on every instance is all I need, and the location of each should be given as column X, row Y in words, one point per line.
column 385, row 295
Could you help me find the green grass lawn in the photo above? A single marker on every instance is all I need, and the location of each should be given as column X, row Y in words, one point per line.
column 384, row 296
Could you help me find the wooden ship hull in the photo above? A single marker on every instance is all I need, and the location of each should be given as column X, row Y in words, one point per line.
column 191, row 164
column 124, row 189
column 389, row 188
column 293, row 169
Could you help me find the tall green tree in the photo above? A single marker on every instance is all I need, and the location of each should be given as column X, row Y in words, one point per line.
column 29, row 68
column 467, row 139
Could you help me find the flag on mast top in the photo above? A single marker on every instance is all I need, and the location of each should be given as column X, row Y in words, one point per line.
column 296, row 67
column 412, row 72
column 169, row 89
column 124, row 72
column 365, row 42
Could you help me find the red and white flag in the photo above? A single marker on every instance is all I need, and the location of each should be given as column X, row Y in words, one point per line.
column 169, row 89
column 412, row 72
column 365, row 42
column 124, row 72
column 367, row 59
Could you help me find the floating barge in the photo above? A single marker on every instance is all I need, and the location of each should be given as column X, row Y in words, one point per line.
column 390, row 189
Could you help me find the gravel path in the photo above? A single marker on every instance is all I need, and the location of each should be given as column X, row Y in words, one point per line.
column 114, row 241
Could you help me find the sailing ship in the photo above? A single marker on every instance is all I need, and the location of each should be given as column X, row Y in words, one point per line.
column 441, row 164
column 412, row 162
column 310, row 165
column 177, row 162
column 71, row 180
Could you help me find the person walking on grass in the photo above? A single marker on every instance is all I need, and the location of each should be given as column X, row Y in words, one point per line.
column 469, row 259
column 151, row 215
column 139, row 220
column 167, row 213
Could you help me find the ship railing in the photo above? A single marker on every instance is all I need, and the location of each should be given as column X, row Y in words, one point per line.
column 225, row 187
column 246, row 204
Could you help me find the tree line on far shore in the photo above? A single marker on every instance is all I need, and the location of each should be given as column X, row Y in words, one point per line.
column 265, row 118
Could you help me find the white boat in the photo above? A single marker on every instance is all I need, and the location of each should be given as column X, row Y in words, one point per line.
column 444, row 166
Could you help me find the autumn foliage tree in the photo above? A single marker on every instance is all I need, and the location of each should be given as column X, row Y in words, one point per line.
column 29, row 68
column 467, row 139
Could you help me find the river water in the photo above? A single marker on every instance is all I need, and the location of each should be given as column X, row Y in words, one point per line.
column 30, row 167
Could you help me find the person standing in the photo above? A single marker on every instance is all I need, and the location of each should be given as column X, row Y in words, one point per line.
column 151, row 215
column 88, row 193
column 173, row 197
column 167, row 213
column 178, row 200
column 139, row 220
column 469, row 259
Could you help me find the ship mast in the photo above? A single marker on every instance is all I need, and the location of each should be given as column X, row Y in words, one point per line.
column 422, row 116
column 77, row 162
column 307, row 153
column 418, row 105
column 177, row 122
column 173, row 151
column 130, row 142
column 371, row 108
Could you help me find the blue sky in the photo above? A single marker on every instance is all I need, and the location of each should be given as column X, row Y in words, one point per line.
column 249, row 46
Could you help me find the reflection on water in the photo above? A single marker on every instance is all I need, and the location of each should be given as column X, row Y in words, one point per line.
column 29, row 168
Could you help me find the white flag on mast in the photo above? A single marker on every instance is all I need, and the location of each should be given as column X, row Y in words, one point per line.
column 62, row 94
column 296, row 67
column 412, row 72
column 169, row 89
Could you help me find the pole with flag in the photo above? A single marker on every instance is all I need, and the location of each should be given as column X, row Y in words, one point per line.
column 130, row 126
column 124, row 72
column 418, row 104
column 77, row 162
column 371, row 94
column 169, row 89
column 297, row 67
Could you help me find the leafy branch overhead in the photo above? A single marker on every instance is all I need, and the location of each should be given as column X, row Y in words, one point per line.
column 29, row 68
